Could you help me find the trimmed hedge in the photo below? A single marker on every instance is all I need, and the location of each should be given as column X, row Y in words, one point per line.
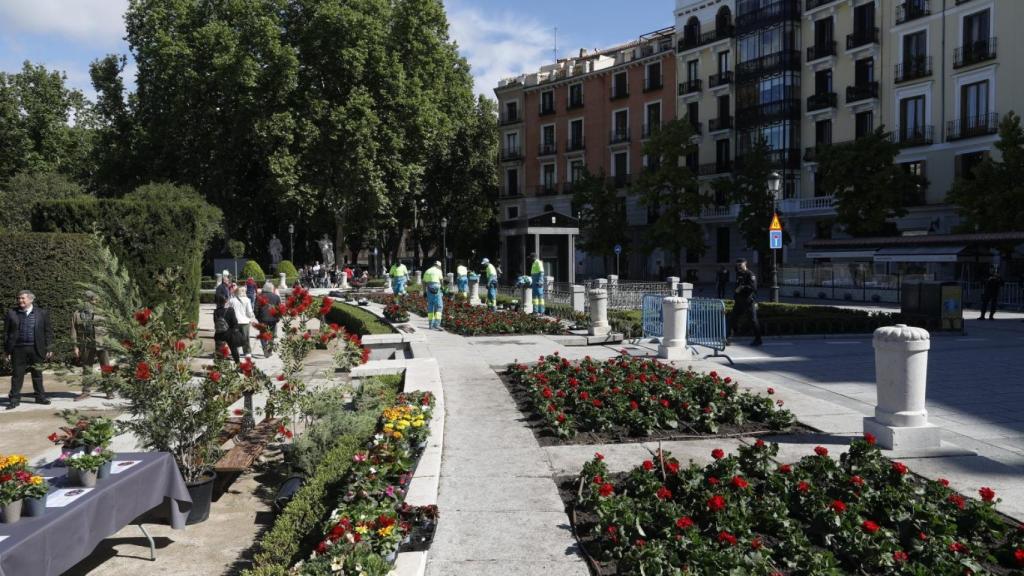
column 253, row 270
column 355, row 319
column 291, row 275
column 51, row 266
column 781, row 319
column 158, row 243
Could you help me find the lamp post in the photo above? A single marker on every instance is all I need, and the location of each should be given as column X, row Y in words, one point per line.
column 774, row 184
column 291, row 243
column 444, row 243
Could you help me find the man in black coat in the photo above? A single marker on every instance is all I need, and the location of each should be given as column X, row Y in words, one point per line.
column 744, row 305
column 28, row 340
column 990, row 294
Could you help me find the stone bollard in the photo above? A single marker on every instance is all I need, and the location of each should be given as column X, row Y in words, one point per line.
column 901, row 375
column 387, row 287
column 613, row 282
column 343, row 280
column 474, row 291
column 549, row 284
column 673, row 342
column 673, row 284
column 599, row 312
column 417, row 277
column 282, row 284
column 526, row 295
column 450, row 279
column 685, row 290
column 579, row 295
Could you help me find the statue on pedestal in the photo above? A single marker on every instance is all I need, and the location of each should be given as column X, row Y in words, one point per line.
column 326, row 251
column 275, row 248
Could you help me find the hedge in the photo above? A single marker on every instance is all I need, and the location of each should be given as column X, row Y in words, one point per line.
column 158, row 243
column 355, row 319
column 291, row 275
column 253, row 270
column 51, row 266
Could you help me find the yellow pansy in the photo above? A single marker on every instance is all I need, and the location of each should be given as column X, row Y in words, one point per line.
column 386, row 531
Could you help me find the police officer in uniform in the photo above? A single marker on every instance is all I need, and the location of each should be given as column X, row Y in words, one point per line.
column 744, row 296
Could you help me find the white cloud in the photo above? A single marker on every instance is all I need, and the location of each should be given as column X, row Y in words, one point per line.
column 498, row 45
column 95, row 21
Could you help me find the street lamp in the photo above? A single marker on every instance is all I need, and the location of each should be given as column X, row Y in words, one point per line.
column 291, row 242
column 774, row 185
column 444, row 242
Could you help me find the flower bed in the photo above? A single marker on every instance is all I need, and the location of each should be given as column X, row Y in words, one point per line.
column 638, row 397
column 466, row 320
column 746, row 514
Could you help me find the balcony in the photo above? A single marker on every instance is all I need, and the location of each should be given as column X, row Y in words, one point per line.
column 511, row 154
column 620, row 181
column 510, row 118
column 546, row 149
column 574, row 145
column 912, row 69
column 713, row 168
column 812, row 4
column 974, row 52
column 768, row 15
column 821, row 101
column 650, row 130
column 789, row 158
column 819, row 51
column 575, row 103
column 690, row 87
column 768, row 112
column 691, row 39
column 653, row 83
column 619, row 92
column 920, row 135
column 859, row 92
column 972, row 126
column 727, row 211
column 912, row 10
column 722, row 123
column 768, row 64
column 720, row 79
column 547, row 110
column 861, row 38
column 821, row 204
column 619, row 135
column 548, row 189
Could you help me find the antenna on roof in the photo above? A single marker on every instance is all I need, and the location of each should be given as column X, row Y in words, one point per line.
column 554, row 50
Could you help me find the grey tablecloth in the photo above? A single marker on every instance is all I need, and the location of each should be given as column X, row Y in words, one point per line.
column 55, row 542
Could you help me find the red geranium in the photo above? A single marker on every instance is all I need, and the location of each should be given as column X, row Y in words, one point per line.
column 718, row 454
column 838, row 506
column 684, row 522
column 142, row 371
column 648, row 465
column 726, row 538
column 869, row 438
column 716, row 503
column 1018, row 556
column 803, row 487
column 821, row 451
column 663, row 493
column 785, row 468
column 899, row 556
column 956, row 500
column 739, row 482
column 106, row 368
column 899, row 468
column 987, row 494
column 215, row 376
column 606, row 489
column 958, row 548
column 142, row 316
column 856, row 480
column 870, row 527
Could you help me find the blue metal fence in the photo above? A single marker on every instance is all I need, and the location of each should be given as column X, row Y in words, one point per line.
column 706, row 325
column 652, row 319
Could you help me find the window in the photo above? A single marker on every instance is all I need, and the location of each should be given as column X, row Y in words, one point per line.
column 974, row 102
column 512, row 212
column 966, row 163
column 723, row 62
column 547, row 139
column 822, row 132
column 511, row 111
column 723, row 106
column 575, row 95
column 693, row 161
column 693, row 114
column 620, row 85
column 512, row 142
column 722, row 154
column 864, row 71
column 864, row 21
column 823, row 230
column 547, row 102
column 547, row 172
column 653, row 116
column 722, row 248
column 865, row 123
column 576, row 134
column 653, row 71
column 620, row 126
column 692, row 256
column 915, row 48
column 823, row 81
column 823, row 36
column 620, row 168
column 692, row 71
column 576, row 170
column 512, row 182
column 912, row 118
column 976, row 29
column 917, row 196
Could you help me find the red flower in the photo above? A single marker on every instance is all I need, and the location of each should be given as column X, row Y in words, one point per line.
column 727, row 380
column 726, row 538
column 180, row 345
column 943, row 481
column 665, row 402
column 706, row 409
column 713, row 481
column 546, row 393
column 821, row 451
column 239, row 411
column 684, row 522
column 922, row 536
column 759, row 443
column 803, row 487
column 598, row 403
column 606, row 489
column 785, row 468
column 957, row 500
column 755, row 544
column 215, row 376
column 266, row 336
column 899, row 556
column 716, row 503
column 142, row 316
column 106, row 368
column 714, row 375
column 870, row 439
column 598, row 456
column 598, row 479
column 584, row 396
column 870, row 527
column 52, row 437
column 899, row 468
column 284, row 431
column 640, row 542
column 1018, row 557
column 648, row 465
column 958, row 548
column 672, row 467
column 280, row 377
column 987, row 494
column 718, row 453
column 663, row 493
column 633, row 405
column 739, row 482
column 856, row 480
column 838, row 506
column 142, row 371
column 771, row 390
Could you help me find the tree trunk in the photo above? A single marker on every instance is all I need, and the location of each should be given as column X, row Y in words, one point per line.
column 339, row 239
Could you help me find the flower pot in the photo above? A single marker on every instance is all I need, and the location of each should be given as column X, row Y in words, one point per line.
column 10, row 512
column 72, row 476
column 87, row 478
column 35, row 506
column 104, row 470
column 202, row 495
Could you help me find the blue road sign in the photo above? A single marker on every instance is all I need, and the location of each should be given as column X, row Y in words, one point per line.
column 618, row 249
column 775, row 239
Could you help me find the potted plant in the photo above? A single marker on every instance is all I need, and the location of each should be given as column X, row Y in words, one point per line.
column 87, row 466
column 35, row 490
column 13, row 477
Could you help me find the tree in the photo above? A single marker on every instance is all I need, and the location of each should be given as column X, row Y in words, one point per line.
column 991, row 197
column 669, row 189
column 870, row 189
column 211, row 219
column 602, row 214
column 749, row 189
column 21, row 192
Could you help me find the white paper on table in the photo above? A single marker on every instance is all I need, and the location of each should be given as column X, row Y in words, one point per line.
column 118, row 466
column 65, row 496
column 2, row 538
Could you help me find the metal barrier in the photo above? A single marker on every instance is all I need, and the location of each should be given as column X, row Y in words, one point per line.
column 652, row 316
column 706, row 326
column 1010, row 295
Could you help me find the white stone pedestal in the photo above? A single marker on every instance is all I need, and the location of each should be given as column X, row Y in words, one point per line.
column 685, row 289
column 450, row 279
column 282, row 284
column 673, row 284
column 579, row 295
column 526, row 297
column 417, row 277
column 599, row 325
column 387, row 287
column 474, row 291
column 673, row 342
column 901, row 375
column 343, row 280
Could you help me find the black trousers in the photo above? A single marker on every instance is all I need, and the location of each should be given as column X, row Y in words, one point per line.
column 989, row 302
column 25, row 358
column 740, row 311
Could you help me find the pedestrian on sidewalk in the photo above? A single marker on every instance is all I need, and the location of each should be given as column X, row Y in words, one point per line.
column 224, row 288
column 28, row 342
column 491, row 276
column 990, row 294
column 87, row 332
column 722, row 281
column 744, row 305
column 250, row 289
column 245, row 316
column 225, row 327
column 537, row 275
column 432, row 280
column 399, row 277
column 266, row 305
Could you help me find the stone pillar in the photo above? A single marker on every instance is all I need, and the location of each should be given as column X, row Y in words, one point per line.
column 343, row 285
column 549, row 284
column 901, row 375
column 387, row 287
column 526, row 296
column 673, row 342
column 673, row 284
column 602, row 284
column 474, row 290
column 579, row 295
column 417, row 277
column 450, row 278
column 599, row 312
column 613, row 282
column 282, row 284
column 685, row 290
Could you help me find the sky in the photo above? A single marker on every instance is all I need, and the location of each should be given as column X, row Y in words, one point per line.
column 499, row 38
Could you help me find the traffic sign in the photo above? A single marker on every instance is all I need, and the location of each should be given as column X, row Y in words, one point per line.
column 775, row 239
column 618, row 249
column 776, row 225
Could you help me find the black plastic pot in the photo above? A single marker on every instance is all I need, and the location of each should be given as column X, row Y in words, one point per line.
column 287, row 490
column 202, row 495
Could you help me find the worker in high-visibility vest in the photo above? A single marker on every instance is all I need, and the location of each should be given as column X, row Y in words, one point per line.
column 491, row 275
column 399, row 277
column 462, row 280
column 538, row 277
column 432, row 280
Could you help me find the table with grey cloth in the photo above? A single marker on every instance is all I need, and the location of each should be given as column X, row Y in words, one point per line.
column 63, row 537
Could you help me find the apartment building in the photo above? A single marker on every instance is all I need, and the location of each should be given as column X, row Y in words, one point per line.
column 592, row 111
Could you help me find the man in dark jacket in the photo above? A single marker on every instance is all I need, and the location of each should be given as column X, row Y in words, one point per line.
column 990, row 294
column 28, row 341
column 744, row 305
column 266, row 305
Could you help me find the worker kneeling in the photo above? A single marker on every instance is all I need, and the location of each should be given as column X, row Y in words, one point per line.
column 432, row 280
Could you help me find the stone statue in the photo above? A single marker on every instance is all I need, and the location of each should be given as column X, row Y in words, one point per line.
column 327, row 251
column 275, row 249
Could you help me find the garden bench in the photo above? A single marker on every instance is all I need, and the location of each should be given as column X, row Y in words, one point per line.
column 248, row 447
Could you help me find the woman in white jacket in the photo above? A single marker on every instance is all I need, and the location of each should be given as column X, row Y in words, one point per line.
column 242, row 306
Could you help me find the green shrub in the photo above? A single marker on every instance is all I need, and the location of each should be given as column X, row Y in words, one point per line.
column 291, row 275
column 51, row 266
column 357, row 320
column 781, row 318
column 252, row 270
column 157, row 242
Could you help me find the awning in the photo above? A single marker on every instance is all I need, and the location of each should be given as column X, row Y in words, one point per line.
column 919, row 254
column 864, row 254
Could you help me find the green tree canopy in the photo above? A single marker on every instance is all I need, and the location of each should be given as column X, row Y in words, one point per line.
column 602, row 214
column 21, row 192
column 991, row 198
column 748, row 188
column 210, row 219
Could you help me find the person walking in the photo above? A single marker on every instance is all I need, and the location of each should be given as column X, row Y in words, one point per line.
column 491, row 277
column 399, row 278
column 245, row 316
column 28, row 342
column 225, row 327
column 87, row 332
column 990, row 294
column 722, row 281
column 744, row 305
column 224, row 288
column 537, row 276
column 250, row 289
column 432, row 280
column 462, row 280
column 266, row 305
